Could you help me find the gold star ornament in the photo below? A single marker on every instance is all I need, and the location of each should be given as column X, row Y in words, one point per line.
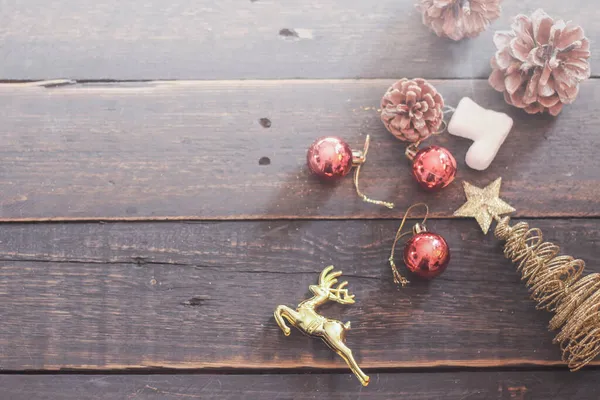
column 484, row 204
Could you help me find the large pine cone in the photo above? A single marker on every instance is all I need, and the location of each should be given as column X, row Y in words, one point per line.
column 457, row 19
column 412, row 109
column 540, row 63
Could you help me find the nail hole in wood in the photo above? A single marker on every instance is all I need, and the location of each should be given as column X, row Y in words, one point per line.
column 194, row 301
column 264, row 161
column 265, row 122
column 285, row 32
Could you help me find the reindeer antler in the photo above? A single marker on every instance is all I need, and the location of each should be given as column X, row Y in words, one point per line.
column 327, row 280
column 339, row 294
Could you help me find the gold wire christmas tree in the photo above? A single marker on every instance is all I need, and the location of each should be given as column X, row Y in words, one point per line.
column 556, row 282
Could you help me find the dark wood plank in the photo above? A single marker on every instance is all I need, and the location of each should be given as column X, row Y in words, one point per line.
column 191, row 150
column 523, row 385
column 201, row 295
column 230, row 39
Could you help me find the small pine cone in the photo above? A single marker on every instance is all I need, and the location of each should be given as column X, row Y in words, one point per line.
column 457, row 19
column 412, row 109
column 540, row 63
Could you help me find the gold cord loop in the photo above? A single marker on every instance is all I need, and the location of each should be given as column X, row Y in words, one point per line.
column 448, row 109
column 398, row 278
column 361, row 159
column 444, row 126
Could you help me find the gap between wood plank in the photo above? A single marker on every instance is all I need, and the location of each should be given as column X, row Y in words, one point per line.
column 291, row 371
column 53, row 83
column 252, row 218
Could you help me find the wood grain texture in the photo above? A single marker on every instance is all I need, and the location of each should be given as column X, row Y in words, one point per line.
column 201, row 295
column 230, row 39
column 194, row 150
column 541, row 385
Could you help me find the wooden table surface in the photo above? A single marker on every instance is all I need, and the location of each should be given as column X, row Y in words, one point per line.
column 156, row 209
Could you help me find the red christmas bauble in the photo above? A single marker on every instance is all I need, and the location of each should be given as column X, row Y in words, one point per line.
column 434, row 168
column 330, row 158
column 427, row 254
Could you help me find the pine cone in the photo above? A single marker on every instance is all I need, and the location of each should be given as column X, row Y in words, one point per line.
column 457, row 19
column 412, row 109
column 540, row 63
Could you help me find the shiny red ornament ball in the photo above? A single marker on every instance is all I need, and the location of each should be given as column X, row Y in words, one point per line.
column 427, row 255
column 434, row 168
column 330, row 158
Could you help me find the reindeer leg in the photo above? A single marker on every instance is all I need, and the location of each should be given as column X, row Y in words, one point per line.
column 287, row 313
column 334, row 332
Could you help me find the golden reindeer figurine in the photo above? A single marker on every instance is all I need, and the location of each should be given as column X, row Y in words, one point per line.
column 308, row 321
